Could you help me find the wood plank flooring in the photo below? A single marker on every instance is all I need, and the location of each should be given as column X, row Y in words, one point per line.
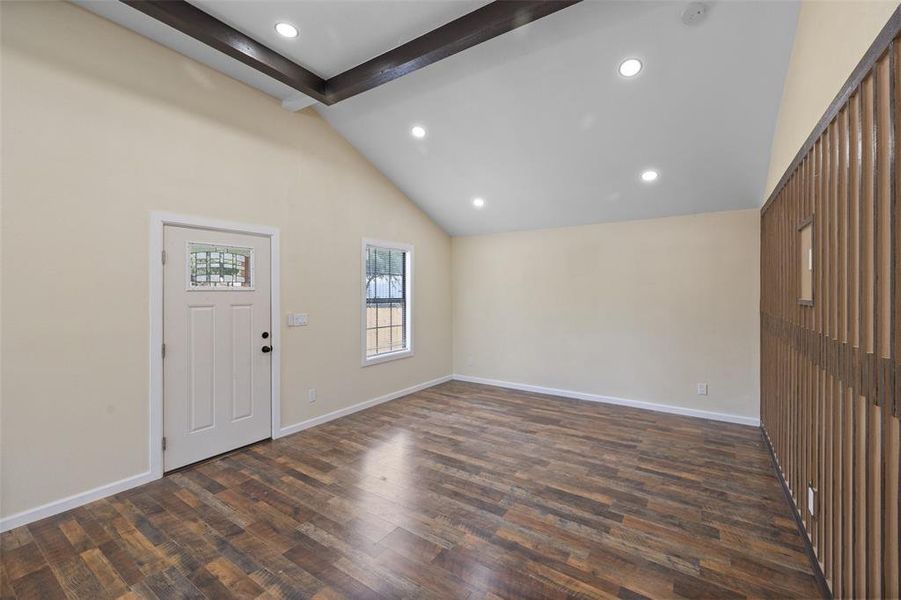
column 458, row 491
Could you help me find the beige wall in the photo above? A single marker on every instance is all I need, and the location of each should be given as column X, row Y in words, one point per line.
column 831, row 38
column 640, row 310
column 107, row 126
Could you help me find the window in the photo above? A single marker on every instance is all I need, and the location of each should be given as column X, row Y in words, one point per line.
column 211, row 266
column 805, row 231
column 387, row 287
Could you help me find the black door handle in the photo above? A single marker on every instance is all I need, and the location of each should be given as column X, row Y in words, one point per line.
column 266, row 349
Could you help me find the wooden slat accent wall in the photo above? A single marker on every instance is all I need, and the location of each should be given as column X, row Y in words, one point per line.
column 831, row 371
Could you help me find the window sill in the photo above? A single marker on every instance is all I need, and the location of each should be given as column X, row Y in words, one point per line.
column 387, row 357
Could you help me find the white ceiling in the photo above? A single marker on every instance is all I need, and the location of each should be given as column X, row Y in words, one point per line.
column 336, row 35
column 537, row 121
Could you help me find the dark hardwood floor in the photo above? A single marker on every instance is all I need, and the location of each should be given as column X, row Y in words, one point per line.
column 459, row 491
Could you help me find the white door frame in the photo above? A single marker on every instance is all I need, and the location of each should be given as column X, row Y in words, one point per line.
column 158, row 221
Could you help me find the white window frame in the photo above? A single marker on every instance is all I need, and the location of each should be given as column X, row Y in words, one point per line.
column 408, row 286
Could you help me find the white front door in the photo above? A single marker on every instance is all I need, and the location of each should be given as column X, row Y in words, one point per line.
column 217, row 334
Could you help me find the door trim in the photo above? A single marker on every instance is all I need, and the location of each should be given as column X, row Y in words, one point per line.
column 158, row 221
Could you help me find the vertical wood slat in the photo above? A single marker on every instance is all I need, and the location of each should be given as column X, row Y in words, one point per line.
column 821, row 324
column 842, row 406
column 870, row 291
column 880, row 320
column 855, row 556
column 829, row 330
column 889, row 552
column 894, row 472
column 830, row 372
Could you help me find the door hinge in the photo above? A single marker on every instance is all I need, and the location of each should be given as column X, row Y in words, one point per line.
column 164, row 443
column 163, row 351
column 163, row 256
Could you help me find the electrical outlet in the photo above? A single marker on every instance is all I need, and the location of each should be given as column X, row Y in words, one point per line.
column 470, row 361
column 702, row 389
column 311, row 395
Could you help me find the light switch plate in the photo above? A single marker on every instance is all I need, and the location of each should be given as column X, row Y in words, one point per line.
column 297, row 319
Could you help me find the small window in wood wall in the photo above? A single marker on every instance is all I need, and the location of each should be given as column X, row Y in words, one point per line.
column 805, row 233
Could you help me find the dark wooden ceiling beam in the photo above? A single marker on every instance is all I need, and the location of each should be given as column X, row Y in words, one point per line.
column 205, row 28
column 469, row 30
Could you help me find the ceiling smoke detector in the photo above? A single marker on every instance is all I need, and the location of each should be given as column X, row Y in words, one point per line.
column 694, row 13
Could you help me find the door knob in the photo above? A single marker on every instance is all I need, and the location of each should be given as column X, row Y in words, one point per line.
column 266, row 349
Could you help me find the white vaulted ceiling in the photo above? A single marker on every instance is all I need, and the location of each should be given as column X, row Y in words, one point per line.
column 537, row 121
column 540, row 124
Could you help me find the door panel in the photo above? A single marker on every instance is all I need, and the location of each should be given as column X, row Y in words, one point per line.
column 201, row 368
column 217, row 377
column 243, row 341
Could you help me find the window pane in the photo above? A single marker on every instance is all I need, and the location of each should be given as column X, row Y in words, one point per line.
column 397, row 262
column 382, row 258
column 384, row 316
column 397, row 338
column 384, row 339
column 396, row 286
column 381, row 286
column 371, row 347
column 370, row 261
column 213, row 266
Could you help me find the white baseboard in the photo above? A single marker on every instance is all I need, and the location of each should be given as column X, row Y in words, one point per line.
column 666, row 408
column 74, row 501
column 358, row 407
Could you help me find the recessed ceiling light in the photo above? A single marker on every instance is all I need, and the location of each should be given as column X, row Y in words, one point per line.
column 286, row 30
column 630, row 67
column 649, row 175
column 478, row 202
column 418, row 131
